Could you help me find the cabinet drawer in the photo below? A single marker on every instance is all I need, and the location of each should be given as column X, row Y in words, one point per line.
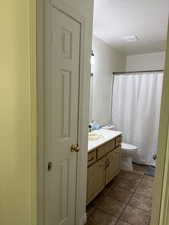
column 102, row 150
column 91, row 157
column 118, row 140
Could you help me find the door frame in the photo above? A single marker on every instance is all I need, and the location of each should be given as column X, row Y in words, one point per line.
column 83, row 118
column 160, row 191
column 161, row 204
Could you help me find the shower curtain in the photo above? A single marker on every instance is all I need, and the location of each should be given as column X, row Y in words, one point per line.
column 136, row 104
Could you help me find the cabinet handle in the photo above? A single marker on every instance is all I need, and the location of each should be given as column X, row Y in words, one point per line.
column 107, row 163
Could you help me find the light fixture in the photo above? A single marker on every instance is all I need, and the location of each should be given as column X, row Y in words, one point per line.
column 92, row 58
column 131, row 38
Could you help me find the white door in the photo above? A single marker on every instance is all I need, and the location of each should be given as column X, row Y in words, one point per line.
column 61, row 118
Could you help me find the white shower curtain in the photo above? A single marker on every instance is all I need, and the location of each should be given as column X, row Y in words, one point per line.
column 136, row 111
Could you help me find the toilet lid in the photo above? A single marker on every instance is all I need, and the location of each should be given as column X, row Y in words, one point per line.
column 128, row 146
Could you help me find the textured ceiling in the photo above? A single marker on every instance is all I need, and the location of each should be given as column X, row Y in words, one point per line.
column 148, row 19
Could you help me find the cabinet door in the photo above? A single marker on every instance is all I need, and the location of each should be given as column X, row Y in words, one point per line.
column 95, row 179
column 113, row 164
column 117, row 160
column 110, row 167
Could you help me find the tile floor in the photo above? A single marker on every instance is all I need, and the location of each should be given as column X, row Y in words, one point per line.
column 126, row 200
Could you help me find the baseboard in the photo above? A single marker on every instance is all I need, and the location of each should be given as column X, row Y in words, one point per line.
column 83, row 219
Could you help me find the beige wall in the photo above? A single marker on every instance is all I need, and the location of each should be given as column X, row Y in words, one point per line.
column 151, row 61
column 15, row 114
column 107, row 61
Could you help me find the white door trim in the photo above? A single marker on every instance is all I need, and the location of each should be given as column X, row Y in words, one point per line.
column 82, row 155
column 161, row 194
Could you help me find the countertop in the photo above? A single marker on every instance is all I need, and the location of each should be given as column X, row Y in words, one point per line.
column 107, row 135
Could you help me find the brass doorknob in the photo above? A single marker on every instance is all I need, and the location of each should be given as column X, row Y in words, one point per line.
column 75, row 148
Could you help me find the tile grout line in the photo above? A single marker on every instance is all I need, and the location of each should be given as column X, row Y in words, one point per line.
column 127, row 203
column 132, row 194
column 142, row 195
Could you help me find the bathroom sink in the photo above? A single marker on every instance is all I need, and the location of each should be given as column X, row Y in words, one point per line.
column 94, row 136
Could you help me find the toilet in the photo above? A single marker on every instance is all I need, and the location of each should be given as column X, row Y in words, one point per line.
column 127, row 152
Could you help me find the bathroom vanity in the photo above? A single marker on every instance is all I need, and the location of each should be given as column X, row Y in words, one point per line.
column 104, row 152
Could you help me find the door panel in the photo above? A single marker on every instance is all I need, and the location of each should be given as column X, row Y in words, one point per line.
column 61, row 118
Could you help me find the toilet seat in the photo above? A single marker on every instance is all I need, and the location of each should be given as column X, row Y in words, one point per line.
column 128, row 147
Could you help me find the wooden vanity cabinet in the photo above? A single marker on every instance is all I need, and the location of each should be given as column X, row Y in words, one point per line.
column 95, row 179
column 113, row 164
column 104, row 149
column 91, row 157
column 103, row 166
column 117, row 160
column 110, row 167
column 118, row 141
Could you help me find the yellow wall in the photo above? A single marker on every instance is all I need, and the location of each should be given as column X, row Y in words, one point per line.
column 17, row 186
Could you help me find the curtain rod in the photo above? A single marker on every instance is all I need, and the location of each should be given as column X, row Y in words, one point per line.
column 144, row 71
